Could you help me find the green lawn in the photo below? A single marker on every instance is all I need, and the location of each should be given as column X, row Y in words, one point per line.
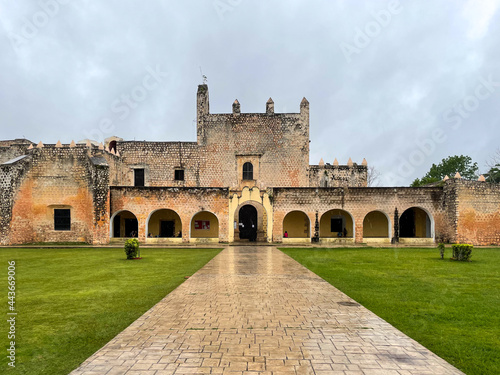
column 452, row 308
column 70, row 302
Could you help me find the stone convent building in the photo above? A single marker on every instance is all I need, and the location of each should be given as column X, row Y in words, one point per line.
column 246, row 178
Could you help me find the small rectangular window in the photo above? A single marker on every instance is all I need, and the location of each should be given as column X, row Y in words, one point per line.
column 62, row 219
column 179, row 175
column 139, row 177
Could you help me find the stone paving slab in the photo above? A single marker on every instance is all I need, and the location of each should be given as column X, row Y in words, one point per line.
column 254, row 310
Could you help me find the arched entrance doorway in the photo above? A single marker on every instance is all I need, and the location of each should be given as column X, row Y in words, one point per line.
column 124, row 224
column 247, row 223
column 415, row 223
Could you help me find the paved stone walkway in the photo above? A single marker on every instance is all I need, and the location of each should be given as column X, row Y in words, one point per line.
column 254, row 310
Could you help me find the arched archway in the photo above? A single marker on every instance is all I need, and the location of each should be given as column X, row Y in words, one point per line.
column 297, row 225
column 204, row 225
column 415, row 222
column 124, row 224
column 164, row 223
column 336, row 223
column 250, row 222
column 376, row 224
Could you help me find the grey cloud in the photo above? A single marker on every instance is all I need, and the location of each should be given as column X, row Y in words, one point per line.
column 64, row 81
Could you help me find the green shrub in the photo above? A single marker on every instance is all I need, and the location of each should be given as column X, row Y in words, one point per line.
column 441, row 249
column 131, row 248
column 462, row 252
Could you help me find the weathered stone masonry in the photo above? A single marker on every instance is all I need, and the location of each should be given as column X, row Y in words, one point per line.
column 477, row 217
column 11, row 178
column 52, row 177
column 246, row 177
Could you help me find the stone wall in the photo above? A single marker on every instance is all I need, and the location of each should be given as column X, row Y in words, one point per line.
column 11, row 178
column 277, row 145
column 13, row 142
column 477, row 212
column 338, row 175
column 160, row 160
column 12, row 149
column 99, row 177
column 62, row 178
column 447, row 230
column 119, row 173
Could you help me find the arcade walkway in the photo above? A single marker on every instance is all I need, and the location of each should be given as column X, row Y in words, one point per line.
column 254, row 310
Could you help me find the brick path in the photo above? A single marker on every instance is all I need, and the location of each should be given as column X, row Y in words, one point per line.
column 254, row 310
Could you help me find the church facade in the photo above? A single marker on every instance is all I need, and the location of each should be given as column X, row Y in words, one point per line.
column 246, row 178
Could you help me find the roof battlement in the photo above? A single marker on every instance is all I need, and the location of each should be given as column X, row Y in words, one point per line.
column 203, row 105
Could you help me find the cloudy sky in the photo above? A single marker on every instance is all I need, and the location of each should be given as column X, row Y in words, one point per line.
column 402, row 84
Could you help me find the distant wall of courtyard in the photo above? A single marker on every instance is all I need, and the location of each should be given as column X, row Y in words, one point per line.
column 67, row 178
column 338, row 175
column 160, row 160
column 12, row 149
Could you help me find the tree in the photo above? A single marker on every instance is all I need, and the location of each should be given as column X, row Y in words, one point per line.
column 495, row 159
column 373, row 176
column 449, row 167
column 493, row 174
